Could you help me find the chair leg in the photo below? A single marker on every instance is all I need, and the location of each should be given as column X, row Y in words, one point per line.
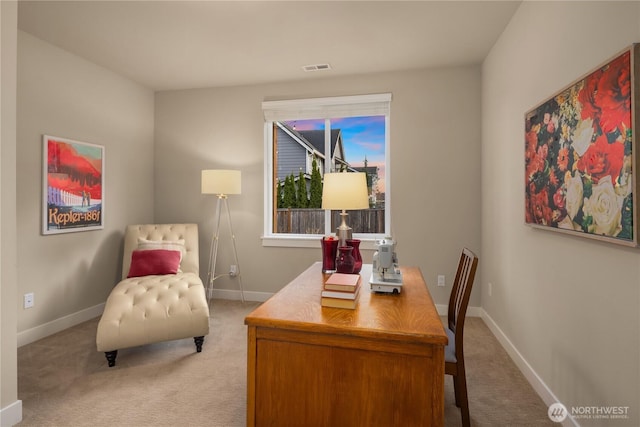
column 111, row 357
column 455, row 389
column 462, row 400
column 199, row 341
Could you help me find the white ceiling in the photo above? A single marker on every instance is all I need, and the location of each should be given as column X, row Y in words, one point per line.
column 190, row 44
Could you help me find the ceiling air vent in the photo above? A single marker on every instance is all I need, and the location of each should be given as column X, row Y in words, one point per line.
column 316, row 67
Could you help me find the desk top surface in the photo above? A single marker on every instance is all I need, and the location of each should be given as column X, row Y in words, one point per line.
column 408, row 316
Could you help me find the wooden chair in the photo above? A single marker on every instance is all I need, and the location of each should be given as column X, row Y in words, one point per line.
column 454, row 354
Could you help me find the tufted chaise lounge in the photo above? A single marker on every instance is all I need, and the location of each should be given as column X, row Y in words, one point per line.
column 149, row 309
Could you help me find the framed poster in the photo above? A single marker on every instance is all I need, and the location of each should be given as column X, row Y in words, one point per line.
column 581, row 155
column 73, row 186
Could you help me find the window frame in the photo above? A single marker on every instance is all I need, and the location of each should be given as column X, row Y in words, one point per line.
column 321, row 108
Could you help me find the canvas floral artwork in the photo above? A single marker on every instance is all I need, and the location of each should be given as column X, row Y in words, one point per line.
column 578, row 156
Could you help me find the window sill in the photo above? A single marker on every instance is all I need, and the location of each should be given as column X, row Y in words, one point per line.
column 312, row 241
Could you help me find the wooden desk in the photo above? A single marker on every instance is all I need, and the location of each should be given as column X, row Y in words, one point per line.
column 381, row 364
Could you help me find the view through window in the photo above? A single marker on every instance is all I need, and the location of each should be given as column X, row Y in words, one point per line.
column 303, row 150
column 306, row 149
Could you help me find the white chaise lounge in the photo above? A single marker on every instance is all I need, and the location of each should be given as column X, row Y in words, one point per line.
column 155, row 307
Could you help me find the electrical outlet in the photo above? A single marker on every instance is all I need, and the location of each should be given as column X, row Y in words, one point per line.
column 490, row 288
column 233, row 270
column 441, row 280
column 28, row 300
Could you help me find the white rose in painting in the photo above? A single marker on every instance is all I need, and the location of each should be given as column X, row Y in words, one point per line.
column 574, row 195
column 625, row 181
column 582, row 136
column 567, row 224
column 605, row 207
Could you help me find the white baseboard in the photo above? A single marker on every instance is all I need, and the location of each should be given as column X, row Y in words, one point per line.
column 443, row 310
column 235, row 295
column 534, row 379
column 50, row 328
column 11, row 415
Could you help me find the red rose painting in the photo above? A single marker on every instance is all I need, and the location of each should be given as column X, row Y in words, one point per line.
column 602, row 159
column 579, row 156
column 613, row 95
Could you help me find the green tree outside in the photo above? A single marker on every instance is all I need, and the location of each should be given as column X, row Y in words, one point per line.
column 289, row 199
column 303, row 201
column 315, row 190
column 278, row 194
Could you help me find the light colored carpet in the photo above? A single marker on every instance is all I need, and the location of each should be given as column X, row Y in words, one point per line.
column 64, row 382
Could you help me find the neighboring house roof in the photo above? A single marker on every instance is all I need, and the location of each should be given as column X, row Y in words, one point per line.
column 316, row 138
column 313, row 142
column 298, row 138
column 371, row 171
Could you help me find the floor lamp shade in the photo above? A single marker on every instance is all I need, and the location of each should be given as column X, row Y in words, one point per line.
column 221, row 181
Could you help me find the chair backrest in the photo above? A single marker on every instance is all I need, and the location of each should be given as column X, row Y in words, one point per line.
column 189, row 232
column 459, row 299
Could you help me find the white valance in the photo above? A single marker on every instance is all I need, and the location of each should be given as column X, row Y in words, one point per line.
column 327, row 108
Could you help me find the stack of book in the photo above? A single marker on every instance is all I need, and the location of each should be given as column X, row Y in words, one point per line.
column 341, row 290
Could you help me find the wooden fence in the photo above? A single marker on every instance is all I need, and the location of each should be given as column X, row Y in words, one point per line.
column 311, row 221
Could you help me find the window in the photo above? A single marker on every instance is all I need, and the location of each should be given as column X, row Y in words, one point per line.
column 304, row 139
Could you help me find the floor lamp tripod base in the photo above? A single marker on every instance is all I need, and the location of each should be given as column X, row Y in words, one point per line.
column 211, row 275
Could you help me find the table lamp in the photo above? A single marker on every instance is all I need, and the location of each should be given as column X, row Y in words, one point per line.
column 345, row 191
column 222, row 183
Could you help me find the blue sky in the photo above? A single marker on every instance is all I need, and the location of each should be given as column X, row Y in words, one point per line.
column 362, row 137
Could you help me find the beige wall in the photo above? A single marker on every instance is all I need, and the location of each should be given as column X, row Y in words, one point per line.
column 569, row 305
column 63, row 95
column 435, row 150
column 10, row 407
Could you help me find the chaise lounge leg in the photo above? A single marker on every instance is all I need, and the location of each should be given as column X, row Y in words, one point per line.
column 199, row 341
column 111, row 357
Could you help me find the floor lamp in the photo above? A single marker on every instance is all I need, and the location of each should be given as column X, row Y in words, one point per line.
column 221, row 183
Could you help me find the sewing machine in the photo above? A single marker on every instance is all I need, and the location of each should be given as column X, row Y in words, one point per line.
column 385, row 274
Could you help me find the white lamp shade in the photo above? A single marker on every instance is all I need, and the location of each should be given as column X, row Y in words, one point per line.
column 221, row 181
column 345, row 190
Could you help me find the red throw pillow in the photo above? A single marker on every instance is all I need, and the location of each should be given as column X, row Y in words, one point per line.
column 154, row 262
